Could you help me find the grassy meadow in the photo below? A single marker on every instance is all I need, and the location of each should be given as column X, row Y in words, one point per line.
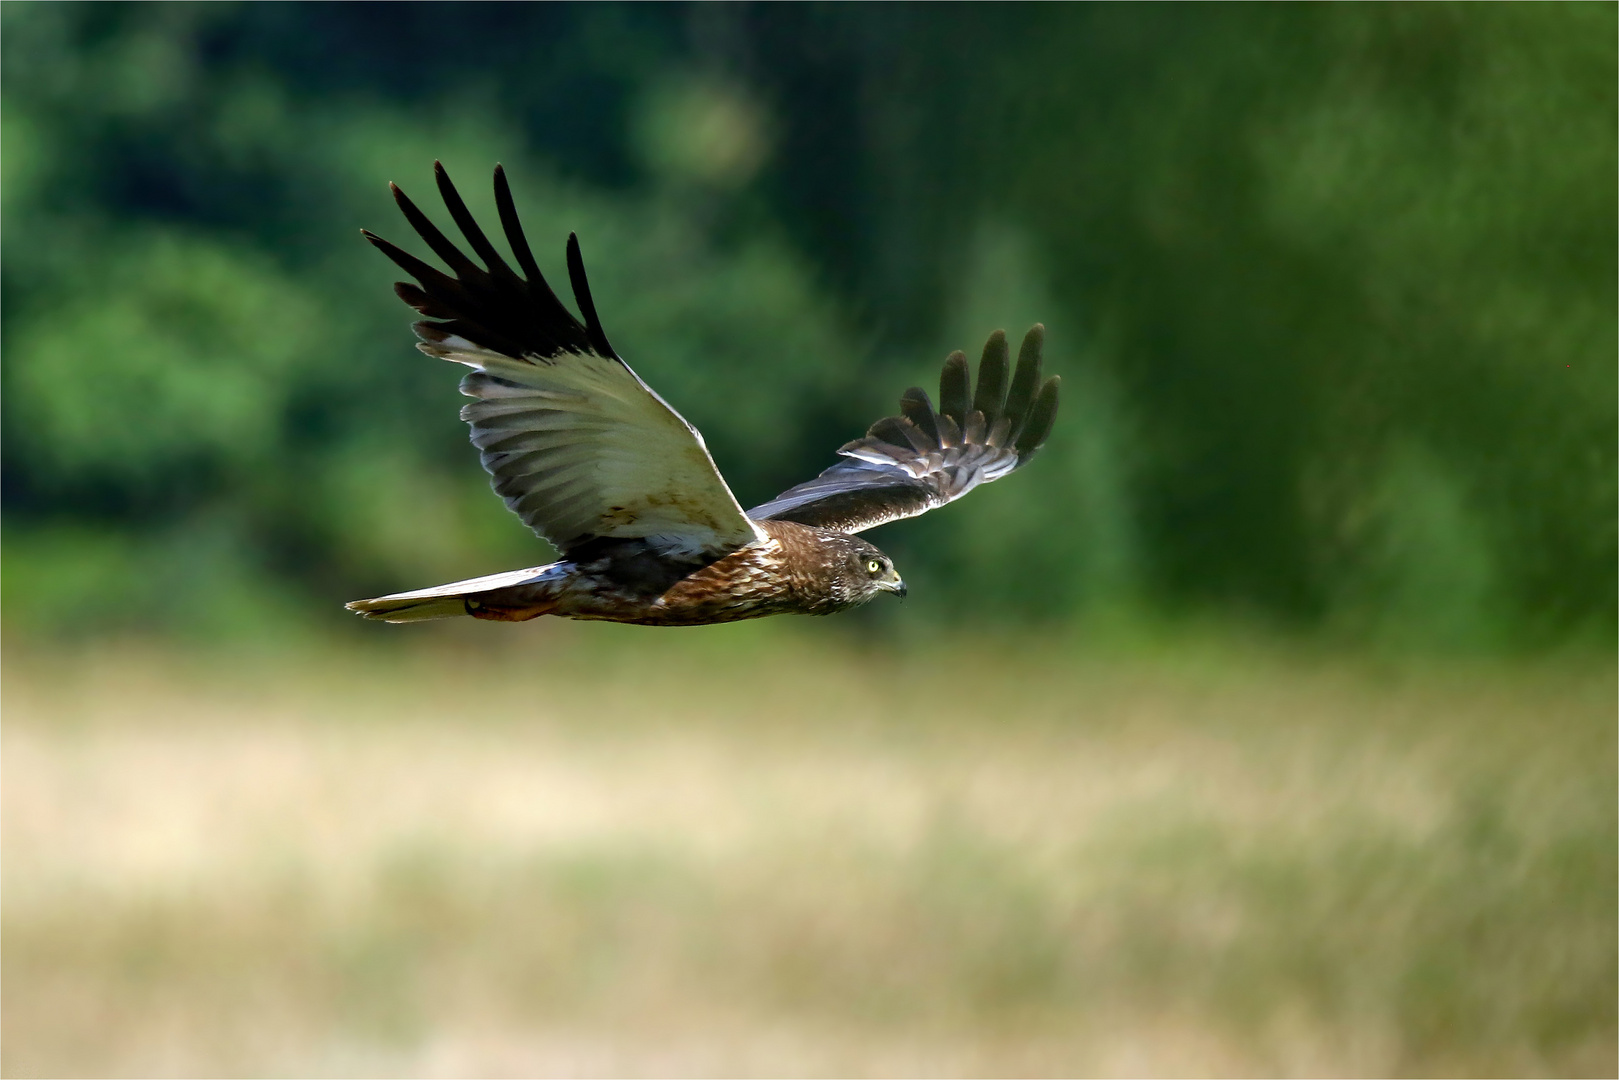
column 768, row 850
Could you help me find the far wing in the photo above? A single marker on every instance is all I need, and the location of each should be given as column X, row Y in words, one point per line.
column 579, row 447
column 911, row 463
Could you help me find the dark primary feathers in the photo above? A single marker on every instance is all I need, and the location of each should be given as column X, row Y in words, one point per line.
column 911, row 463
column 592, row 459
column 494, row 308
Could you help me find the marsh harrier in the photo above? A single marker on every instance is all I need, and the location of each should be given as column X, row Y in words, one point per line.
column 593, row 460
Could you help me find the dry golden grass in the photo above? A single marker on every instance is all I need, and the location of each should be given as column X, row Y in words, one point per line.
column 592, row 850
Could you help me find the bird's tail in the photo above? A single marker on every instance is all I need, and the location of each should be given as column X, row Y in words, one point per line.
column 510, row 597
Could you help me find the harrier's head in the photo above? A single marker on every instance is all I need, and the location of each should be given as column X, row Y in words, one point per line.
column 859, row 571
column 823, row 571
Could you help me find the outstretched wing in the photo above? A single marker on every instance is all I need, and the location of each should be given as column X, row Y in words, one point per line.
column 911, row 463
column 579, row 447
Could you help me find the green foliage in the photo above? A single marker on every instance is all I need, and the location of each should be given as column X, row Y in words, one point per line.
column 1313, row 237
column 167, row 350
column 1331, row 289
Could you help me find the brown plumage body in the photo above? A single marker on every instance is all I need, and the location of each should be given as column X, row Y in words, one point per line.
column 800, row 569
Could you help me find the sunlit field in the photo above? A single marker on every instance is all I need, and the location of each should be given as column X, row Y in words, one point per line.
column 599, row 850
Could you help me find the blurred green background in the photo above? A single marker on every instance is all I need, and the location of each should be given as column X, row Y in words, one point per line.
column 1263, row 725
column 1332, row 290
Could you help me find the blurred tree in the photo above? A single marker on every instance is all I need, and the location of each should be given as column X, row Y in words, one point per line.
column 1302, row 240
column 1334, row 288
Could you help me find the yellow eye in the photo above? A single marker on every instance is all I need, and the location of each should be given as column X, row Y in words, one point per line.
column 874, row 568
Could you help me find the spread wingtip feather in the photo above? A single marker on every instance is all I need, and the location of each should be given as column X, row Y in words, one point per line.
column 922, row 459
column 582, row 297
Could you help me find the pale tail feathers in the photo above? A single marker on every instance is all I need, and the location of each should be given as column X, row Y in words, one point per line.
column 451, row 600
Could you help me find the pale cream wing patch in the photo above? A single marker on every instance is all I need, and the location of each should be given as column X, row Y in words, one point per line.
column 580, row 447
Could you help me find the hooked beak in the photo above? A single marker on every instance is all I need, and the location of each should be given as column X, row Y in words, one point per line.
column 894, row 585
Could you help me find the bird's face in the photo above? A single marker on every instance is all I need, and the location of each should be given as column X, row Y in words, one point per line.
column 870, row 572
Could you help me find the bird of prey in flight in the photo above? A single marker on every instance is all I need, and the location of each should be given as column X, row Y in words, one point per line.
column 593, row 460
